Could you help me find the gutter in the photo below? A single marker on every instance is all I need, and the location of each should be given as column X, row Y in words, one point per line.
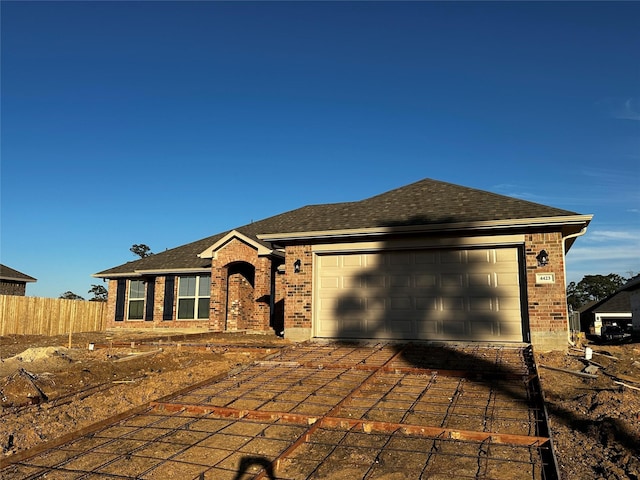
column 436, row 227
column 564, row 264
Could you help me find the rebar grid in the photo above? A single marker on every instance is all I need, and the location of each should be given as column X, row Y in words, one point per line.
column 277, row 388
column 340, row 354
column 367, row 413
column 375, row 454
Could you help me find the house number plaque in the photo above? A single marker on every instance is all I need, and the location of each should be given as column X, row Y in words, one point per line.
column 545, row 278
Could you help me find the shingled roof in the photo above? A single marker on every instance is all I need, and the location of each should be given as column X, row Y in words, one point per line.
column 12, row 275
column 426, row 202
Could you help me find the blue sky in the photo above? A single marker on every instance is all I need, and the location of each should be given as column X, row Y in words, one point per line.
column 163, row 123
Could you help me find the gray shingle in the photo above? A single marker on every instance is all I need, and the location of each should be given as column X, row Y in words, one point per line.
column 427, row 202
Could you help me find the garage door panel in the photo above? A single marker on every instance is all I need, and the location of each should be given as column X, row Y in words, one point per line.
column 372, row 281
column 506, row 255
column 376, row 304
column 330, row 282
column 505, row 304
column 452, row 280
column 425, row 281
column 481, row 304
column 480, row 279
column 327, row 261
column 480, row 256
column 507, row 280
column 471, row 294
column 425, row 258
column 353, row 261
column 426, row 303
column 401, row 303
column 453, row 256
column 400, row 281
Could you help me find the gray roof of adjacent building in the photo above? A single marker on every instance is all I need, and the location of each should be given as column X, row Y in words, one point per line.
column 11, row 275
column 424, row 204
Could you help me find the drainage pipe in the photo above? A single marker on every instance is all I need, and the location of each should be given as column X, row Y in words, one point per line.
column 564, row 265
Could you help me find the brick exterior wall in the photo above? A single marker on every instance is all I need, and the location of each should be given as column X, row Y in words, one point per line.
column 250, row 305
column 249, row 298
column 111, row 304
column 8, row 287
column 547, row 302
column 298, row 287
column 547, row 305
column 258, row 313
column 240, row 303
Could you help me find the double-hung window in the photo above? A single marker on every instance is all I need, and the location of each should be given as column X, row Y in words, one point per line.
column 193, row 297
column 136, row 300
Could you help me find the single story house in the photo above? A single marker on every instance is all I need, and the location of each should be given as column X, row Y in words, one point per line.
column 614, row 310
column 633, row 287
column 621, row 308
column 427, row 261
column 13, row 282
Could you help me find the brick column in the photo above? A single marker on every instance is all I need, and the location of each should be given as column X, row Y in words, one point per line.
column 218, row 302
column 298, row 293
column 262, row 295
column 548, row 316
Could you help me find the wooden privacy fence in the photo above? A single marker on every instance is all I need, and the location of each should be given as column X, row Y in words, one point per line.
column 50, row 316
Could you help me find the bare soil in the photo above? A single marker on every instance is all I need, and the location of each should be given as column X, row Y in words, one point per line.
column 48, row 390
column 595, row 423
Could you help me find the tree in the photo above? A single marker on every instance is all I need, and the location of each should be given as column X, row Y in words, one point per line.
column 593, row 288
column 141, row 250
column 99, row 293
column 69, row 295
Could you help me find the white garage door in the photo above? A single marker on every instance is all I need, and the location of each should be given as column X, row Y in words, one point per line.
column 470, row 294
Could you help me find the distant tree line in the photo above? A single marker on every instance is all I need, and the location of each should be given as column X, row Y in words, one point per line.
column 98, row 292
column 593, row 288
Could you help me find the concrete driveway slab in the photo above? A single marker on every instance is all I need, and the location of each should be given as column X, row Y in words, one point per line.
column 331, row 410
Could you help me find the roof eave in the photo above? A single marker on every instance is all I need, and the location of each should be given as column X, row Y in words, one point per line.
column 16, row 279
column 152, row 271
column 579, row 221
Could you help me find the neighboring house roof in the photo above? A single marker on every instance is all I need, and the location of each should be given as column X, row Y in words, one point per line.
column 9, row 274
column 619, row 302
column 424, row 205
column 633, row 284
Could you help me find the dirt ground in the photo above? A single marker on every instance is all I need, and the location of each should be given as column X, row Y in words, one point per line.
column 595, row 422
column 48, row 389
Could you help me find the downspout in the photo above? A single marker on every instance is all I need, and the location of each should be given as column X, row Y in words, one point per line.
column 564, row 265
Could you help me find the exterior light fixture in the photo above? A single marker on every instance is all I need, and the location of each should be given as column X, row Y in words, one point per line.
column 543, row 258
column 296, row 266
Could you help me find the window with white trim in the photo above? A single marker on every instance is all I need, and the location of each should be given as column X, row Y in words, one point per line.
column 136, row 300
column 193, row 297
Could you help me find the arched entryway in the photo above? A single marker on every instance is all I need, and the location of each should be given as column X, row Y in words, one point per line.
column 240, row 296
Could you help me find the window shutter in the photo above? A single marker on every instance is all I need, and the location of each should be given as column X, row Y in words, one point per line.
column 120, row 292
column 167, row 308
column 151, row 288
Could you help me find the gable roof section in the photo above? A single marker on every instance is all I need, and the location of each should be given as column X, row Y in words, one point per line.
column 259, row 246
column 427, row 204
column 11, row 275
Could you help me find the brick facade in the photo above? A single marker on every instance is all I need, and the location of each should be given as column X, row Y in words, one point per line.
column 547, row 302
column 7, row 287
column 242, row 283
column 241, row 290
column 298, row 290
